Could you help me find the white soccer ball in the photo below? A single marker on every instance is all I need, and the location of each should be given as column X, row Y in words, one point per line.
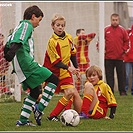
column 70, row 118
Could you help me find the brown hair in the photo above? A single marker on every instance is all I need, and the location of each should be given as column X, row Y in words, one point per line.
column 57, row 17
column 90, row 70
column 114, row 15
column 79, row 30
column 32, row 10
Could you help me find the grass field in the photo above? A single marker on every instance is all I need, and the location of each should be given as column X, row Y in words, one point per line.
column 123, row 121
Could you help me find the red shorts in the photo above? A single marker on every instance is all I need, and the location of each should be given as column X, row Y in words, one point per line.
column 99, row 111
column 64, row 84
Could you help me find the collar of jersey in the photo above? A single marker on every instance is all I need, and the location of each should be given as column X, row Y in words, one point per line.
column 57, row 37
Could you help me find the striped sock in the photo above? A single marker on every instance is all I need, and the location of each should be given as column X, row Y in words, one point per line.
column 46, row 96
column 59, row 107
column 27, row 108
column 69, row 104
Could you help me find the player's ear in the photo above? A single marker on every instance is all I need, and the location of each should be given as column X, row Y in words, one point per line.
column 33, row 16
column 52, row 25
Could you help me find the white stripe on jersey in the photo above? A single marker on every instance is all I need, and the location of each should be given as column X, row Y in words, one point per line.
column 31, row 45
column 22, row 36
column 14, row 31
column 18, row 70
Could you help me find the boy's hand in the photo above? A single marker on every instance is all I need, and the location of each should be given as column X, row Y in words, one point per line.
column 75, row 71
column 78, row 74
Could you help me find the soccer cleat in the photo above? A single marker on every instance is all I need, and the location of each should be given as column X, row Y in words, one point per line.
column 53, row 118
column 37, row 114
column 83, row 116
column 28, row 123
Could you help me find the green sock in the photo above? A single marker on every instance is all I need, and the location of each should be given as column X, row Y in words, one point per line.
column 27, row 109
column 46, row 96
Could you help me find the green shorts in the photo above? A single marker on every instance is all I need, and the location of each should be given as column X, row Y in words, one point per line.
column 36, row 78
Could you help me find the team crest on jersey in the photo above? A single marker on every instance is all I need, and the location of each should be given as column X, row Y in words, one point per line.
column 99, row 93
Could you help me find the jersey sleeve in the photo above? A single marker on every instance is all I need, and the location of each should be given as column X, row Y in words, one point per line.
column 111, row 101
column 87, row 37
column 21, row 33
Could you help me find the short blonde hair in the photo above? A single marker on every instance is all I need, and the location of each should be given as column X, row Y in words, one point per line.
column 90, row 70
column 58, row 17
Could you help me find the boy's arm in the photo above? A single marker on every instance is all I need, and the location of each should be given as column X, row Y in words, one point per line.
column 61, row 65
column 89, row 37
column 112, row 112
column 74, row 61
column 10, row 53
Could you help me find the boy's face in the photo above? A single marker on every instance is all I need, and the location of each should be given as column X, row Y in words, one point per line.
column 82, row 32
column 58, row 27
column 93, row 78
column 35, row 21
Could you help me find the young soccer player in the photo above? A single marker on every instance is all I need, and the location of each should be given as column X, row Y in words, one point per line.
column 98, row 96
column 20, row 49
column 60, row 51
column 82, row 42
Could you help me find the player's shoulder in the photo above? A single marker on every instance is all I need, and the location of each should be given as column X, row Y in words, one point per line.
column 68, row 35
column 26, row 26
column 102, row 83
column 107, row 27
column 122, row 28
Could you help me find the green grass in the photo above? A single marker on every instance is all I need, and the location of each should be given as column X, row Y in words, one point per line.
column 123, row 121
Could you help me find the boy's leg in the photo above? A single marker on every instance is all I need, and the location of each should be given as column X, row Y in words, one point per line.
column 77, row 85
column 89, row 100
column 69, row 104
column 62, row 103
column 57, row 110
column 77, row 101
column 49, row 90
column 26, row 111
column 46, row 96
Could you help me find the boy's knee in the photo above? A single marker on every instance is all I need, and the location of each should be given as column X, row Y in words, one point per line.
column 34, row 93
column 69, row 93
column 89, row 88
column 53, row 79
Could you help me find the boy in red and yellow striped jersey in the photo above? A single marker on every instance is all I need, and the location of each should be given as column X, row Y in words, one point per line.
column 82, row 42
column 60, row 51
column 98, row 96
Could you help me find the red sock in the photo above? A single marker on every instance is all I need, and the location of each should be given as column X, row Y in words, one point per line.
column 69, row 104
column 86, row 103
column 59, row 107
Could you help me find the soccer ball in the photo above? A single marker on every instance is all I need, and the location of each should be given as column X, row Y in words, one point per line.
column 70, row 118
